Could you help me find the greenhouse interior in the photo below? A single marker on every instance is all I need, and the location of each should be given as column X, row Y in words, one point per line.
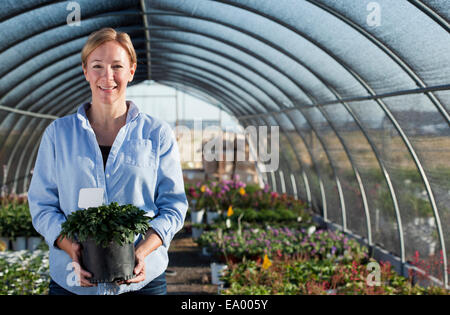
column 314, row 137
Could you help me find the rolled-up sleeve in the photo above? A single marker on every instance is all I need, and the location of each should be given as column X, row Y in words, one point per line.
column 43, row 191
column 170, row 196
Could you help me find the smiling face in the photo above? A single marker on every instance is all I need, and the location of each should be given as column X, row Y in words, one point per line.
column 108, row 71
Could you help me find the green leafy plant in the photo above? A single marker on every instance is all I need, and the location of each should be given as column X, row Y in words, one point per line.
column 254, row 243
column 106, row 224
column 301, row 275
column 24, row 273
column 15, row 221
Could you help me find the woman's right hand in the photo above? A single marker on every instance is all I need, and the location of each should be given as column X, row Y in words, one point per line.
column 73, row 249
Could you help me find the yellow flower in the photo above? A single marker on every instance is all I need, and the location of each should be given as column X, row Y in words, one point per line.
column 242, row 191
column 203, row 188
column 266, row 262
column 230, row 211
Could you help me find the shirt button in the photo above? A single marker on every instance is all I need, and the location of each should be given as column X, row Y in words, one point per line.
column 107, row 175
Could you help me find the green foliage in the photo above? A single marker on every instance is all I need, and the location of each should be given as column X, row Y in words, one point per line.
column 24, row 273
column 300, row 275
column 252, row 243
column 15, row 221
column 106, row 224
column 269, row 216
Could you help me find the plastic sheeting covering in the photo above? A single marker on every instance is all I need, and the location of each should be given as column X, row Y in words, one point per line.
column 360, row 90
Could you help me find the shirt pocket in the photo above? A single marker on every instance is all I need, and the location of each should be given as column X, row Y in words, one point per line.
column 139, row 152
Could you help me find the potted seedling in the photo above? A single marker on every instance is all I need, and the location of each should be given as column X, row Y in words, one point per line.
column 107, row 234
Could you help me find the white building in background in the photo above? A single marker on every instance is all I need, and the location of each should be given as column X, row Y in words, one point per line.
column 170, row 104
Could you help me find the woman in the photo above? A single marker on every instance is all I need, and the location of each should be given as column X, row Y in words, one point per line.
column 108, row 144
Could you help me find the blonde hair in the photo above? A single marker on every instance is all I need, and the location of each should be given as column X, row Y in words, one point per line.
column 105, row 35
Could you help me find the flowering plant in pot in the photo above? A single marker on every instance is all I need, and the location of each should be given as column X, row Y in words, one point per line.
column 230, row 192
column 196, row 197
column 106, row 234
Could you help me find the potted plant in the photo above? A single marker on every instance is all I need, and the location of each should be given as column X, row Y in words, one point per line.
column 107, row 234
column 33, row 239
column 197, row 230
column 197, row 212
column 212, row 202
column 23, row 232
column 21, row 226
column 195, row 195
column 15, row 222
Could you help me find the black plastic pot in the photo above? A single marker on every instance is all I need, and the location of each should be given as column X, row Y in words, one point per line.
column 108, row 264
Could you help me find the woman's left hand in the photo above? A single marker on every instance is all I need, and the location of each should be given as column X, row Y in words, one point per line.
column 151, row 242
column 139, row 270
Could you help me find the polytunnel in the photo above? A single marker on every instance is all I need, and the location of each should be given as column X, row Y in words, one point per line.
column 360, row 91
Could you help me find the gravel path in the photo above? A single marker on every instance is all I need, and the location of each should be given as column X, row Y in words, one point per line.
column 193, row 273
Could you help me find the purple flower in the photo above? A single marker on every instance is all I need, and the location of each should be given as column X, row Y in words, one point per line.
column 333, row 250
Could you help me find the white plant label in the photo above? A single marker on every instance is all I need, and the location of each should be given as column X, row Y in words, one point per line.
column 90, row 197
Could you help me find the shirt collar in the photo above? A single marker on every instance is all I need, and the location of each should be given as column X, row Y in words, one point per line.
column 132, row 114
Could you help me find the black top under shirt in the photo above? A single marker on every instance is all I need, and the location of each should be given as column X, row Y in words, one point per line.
column 105, row 152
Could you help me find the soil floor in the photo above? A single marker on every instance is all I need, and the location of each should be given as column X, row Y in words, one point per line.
column 193, row 272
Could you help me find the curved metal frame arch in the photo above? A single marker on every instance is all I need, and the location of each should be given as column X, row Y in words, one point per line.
column 31, row 75
column 431, row 13
column 59, row 44
column 50, row 87
column 349, row 156
column 333, row 167
column 403, row 65
column 222, row 78
column 219, row 92
column 195, row 85
column 235, row 61
column 321, row 80
column 85, row 17
column 326, row 117
column 321, row 186
column 386, row 110
column 396, row 125
column 31, row 8
column 183, row 72
column 256, row 86
column 421, row 171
